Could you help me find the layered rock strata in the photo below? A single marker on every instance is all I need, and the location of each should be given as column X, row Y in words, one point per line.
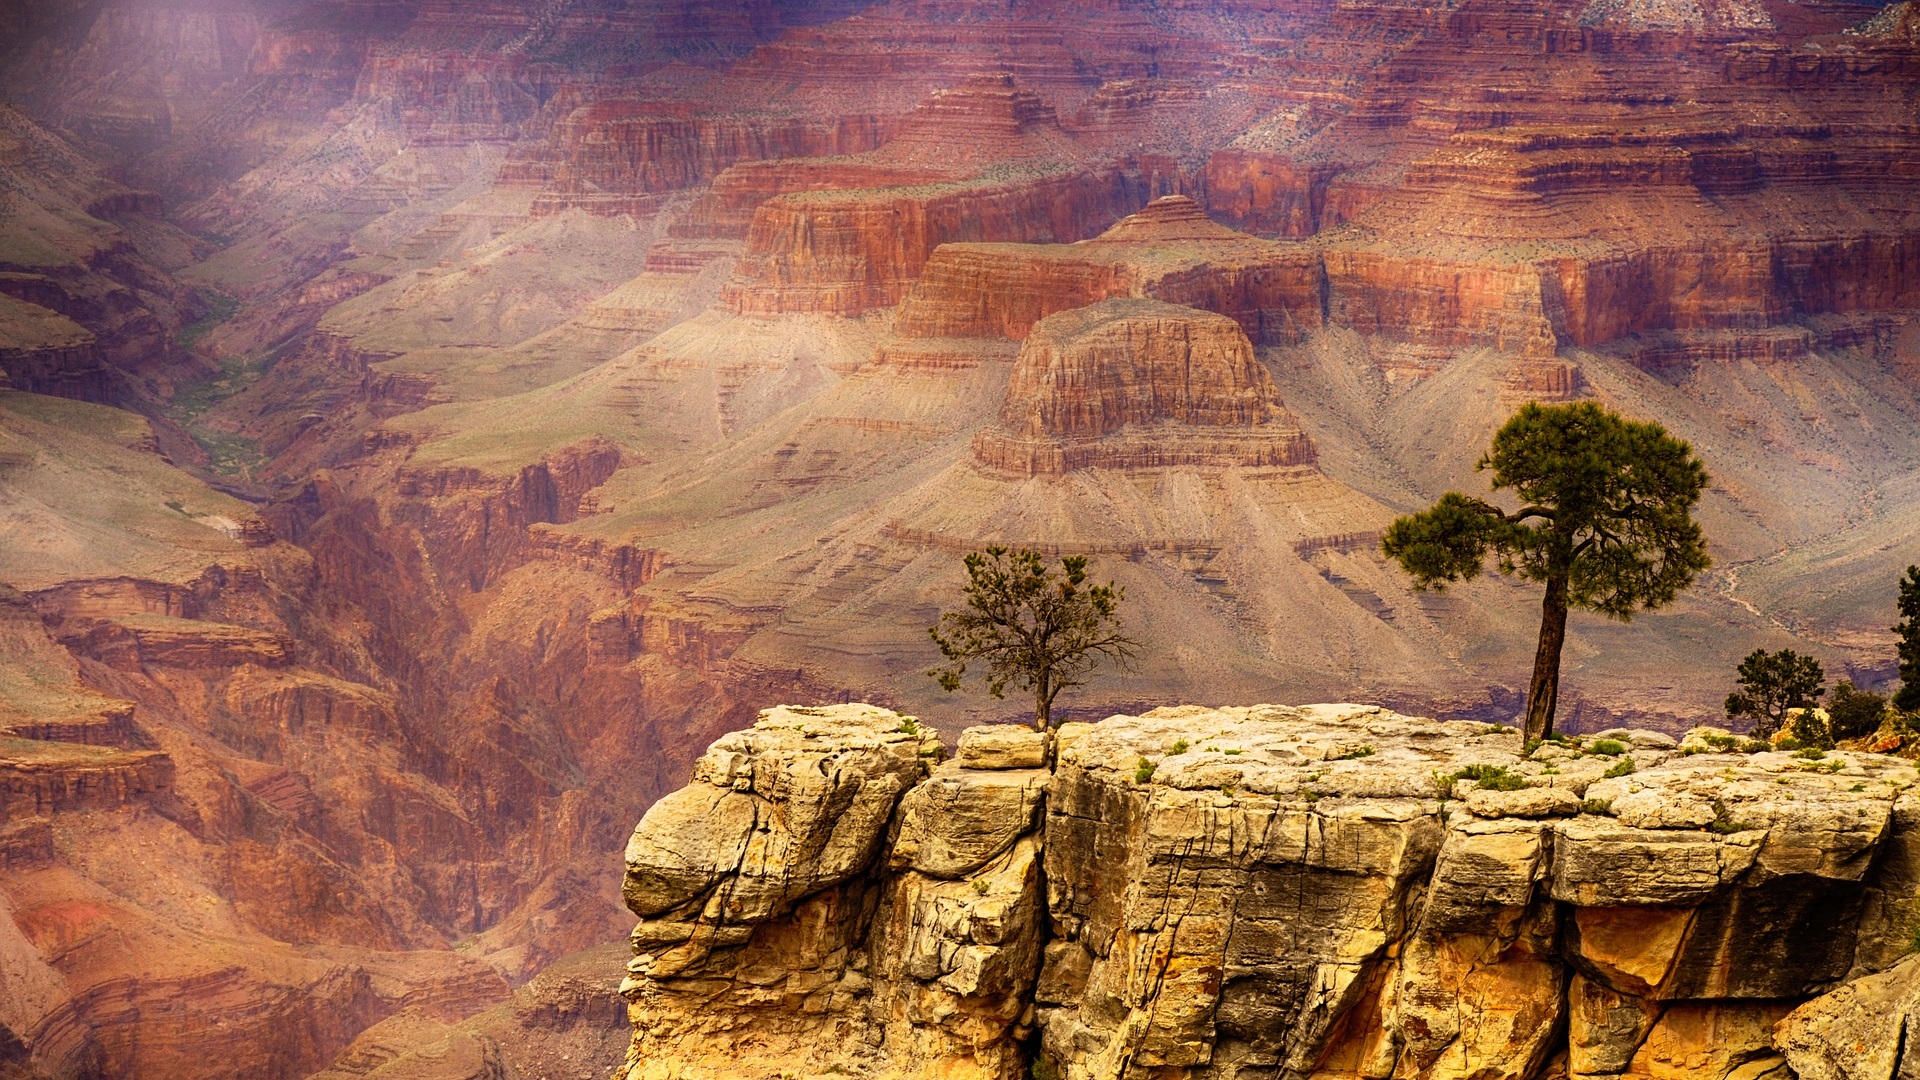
column 983, row 161
column 1169, row 251
column 1139, row 384
column 1328, row 890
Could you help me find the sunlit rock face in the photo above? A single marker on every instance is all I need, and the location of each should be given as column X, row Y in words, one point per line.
column 1266, row 891
column 426, row 424
column 1139, row 384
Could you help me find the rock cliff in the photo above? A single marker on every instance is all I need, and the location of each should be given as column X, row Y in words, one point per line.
column 607, row 366
column 1326, row 891
column 1139, row 383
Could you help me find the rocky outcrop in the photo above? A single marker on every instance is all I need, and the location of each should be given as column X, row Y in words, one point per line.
column 758, row 886
column 1170, row 250
column 612, row 156
column 1861, row 1030
column 1328, row 890
column 42, row 778
column 845, row 252
column 1139, row 384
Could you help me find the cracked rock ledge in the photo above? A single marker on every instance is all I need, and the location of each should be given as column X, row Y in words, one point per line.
column 1270, row 892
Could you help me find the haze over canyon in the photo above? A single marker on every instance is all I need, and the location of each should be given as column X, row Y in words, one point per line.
column 427, row 425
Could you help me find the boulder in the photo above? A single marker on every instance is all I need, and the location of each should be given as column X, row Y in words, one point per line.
column 1002, row 746
column 960, row 819
column 1860, row 1031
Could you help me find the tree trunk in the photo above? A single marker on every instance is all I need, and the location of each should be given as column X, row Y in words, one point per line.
column 1543, row 693
column 1042, row 705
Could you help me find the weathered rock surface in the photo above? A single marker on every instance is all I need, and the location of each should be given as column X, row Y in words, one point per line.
column 1328, row 890
column 1139, row 384
column 1861, row 1030
column 1170, row 251
column 460, row 690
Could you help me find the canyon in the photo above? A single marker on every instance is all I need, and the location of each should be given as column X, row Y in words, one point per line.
column 426, row 424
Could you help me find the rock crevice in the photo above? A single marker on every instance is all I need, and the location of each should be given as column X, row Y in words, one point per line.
column 1272, row 892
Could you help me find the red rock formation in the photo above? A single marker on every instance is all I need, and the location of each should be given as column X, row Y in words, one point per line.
column 1136, row 384
column 1169, row 251
column 1268, row 194
column 848, row 252
column 727, row 209
column 609, row 156
column 38, row 778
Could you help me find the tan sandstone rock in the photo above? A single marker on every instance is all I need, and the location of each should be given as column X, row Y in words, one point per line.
column 1292, row 892
column 1002, row 746
column 1857, row 1032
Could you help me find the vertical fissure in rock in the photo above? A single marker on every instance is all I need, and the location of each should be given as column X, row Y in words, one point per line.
column 932, row 964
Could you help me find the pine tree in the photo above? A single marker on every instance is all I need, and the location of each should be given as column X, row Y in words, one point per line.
column 1773, row 684
column 1907, row 698
column 1605, row 524
column 1038, row 630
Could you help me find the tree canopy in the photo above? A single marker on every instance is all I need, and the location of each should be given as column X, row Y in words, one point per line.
column 1034, row 628
column 1774, row 684
column 1605, row 522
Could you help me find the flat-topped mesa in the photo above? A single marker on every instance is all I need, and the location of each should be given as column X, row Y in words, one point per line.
column 1170, row 250
column 1139, row 384
column 1272, row 891
column 985, row 123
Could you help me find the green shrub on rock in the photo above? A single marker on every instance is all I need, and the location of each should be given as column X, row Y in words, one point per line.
column 1854, row 713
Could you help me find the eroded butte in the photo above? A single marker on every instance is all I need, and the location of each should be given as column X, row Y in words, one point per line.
column 427, row 423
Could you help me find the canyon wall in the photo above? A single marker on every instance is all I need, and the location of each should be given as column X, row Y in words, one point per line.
column 1329, row 891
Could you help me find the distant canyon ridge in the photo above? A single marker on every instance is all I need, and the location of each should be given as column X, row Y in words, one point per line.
column 427, row 424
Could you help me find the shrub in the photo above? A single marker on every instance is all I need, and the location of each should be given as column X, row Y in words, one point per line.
column 1810, row 728
column 1853, row 713
column 1608, row 748
column 1486, row 777
column 1723, row 822
column 1179, row 747
column 1603, row 807
column 1721, row 742
column 1143, row 772
column 1620, row 768
column 1365, row 750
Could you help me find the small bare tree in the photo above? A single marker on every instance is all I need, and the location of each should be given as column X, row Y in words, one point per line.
column 1034, row 628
